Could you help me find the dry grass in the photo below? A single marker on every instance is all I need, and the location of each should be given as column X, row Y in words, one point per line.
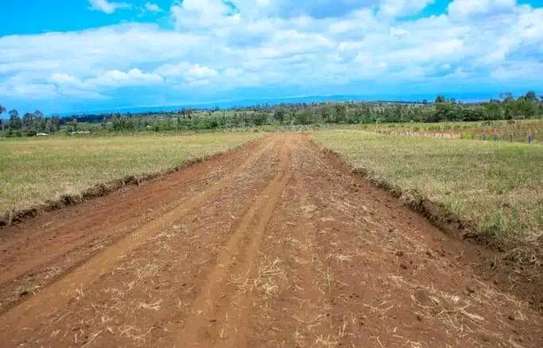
column 496, row 185
column 34, row 170
column 270, row 274
column 516, row 131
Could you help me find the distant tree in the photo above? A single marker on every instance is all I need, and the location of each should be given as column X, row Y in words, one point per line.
column 341, row 113
column 302, row 117
column 506, row 97
column 443, row 112
column 14, row 120
column 326, row 114
column 440, row 99
column 260, row 118
column 28, row 120
column 279, row 115
column 531, row 96
column 2, row 110
column 73, row 125
column 52, row 124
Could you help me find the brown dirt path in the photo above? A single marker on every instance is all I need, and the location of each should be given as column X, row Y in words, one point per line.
column 275, row 244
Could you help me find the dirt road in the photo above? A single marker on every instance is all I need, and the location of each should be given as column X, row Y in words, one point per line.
column 275, row 244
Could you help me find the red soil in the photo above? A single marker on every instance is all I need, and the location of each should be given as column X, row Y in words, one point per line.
column 274, row 244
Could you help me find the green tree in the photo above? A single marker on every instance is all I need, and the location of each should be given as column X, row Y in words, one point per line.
column 279, row 115
column 28, row 120
column 303, row 117
column 440, row 99
column 531, row 96
column 14, row 120
column 341, row 113
column 2, row 110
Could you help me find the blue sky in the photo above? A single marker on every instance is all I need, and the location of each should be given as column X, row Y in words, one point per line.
column 85, row 55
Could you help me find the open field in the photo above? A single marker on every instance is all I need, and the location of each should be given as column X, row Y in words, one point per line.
column 33, row 170
column 496, row 185
column 510, row 131
column 274, row 244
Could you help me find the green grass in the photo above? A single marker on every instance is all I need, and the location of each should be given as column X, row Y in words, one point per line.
column 496, row 185
column 33, row 170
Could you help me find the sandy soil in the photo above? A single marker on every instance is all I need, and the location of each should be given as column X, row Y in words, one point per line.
column 276, row 244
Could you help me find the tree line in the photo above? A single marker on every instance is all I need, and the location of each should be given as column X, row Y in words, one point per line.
column 440, row 110
column 31, row 123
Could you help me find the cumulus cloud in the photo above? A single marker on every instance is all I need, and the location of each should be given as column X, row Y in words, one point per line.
column 402, row 8
column 152, row 7
column 187, row 73
column 107, row 6
column 117, row 78
column 194, row 14
column 466, row 8
column 217, row 47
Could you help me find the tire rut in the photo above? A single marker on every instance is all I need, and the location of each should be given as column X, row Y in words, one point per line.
column 74, row 234
column 292, row 305
column 223, row 305
column 60, row 292
column 288, row 249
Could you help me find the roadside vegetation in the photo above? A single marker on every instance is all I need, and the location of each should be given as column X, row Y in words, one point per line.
column 34, row 170
column 497, row 186
column 488, row 171
column 525, row 131
column 319, row 114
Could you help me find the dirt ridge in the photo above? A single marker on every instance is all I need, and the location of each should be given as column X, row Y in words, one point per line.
column 517, row 266
column 273, row 245
column 64, row 288
column 102, row 189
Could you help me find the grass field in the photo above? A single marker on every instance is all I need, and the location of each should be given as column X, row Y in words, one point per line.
column 33, row 170
column 496, row 185
column 515, row 131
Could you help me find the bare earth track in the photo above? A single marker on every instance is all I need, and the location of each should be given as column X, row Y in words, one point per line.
column 275, row 244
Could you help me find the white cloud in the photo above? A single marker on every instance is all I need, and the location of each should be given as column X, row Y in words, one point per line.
column 198, row 72
column 194, row 14
column 107, row 6
column 187, row 73
column 215, row 49
column 70, row 85
column 398, row 32
column 466, row 8
column 117, row 78
column 152, row 7
column 402, row 8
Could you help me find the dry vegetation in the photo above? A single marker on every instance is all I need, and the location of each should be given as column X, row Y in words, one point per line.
column 34, row 170
column 511, row 130
column 495, row 185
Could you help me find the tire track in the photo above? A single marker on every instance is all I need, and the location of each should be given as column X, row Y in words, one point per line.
column 312, row 323
column 60, row 292
column 214, row 303
column 291, row 306
column 74, row 234
column 288, row 249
